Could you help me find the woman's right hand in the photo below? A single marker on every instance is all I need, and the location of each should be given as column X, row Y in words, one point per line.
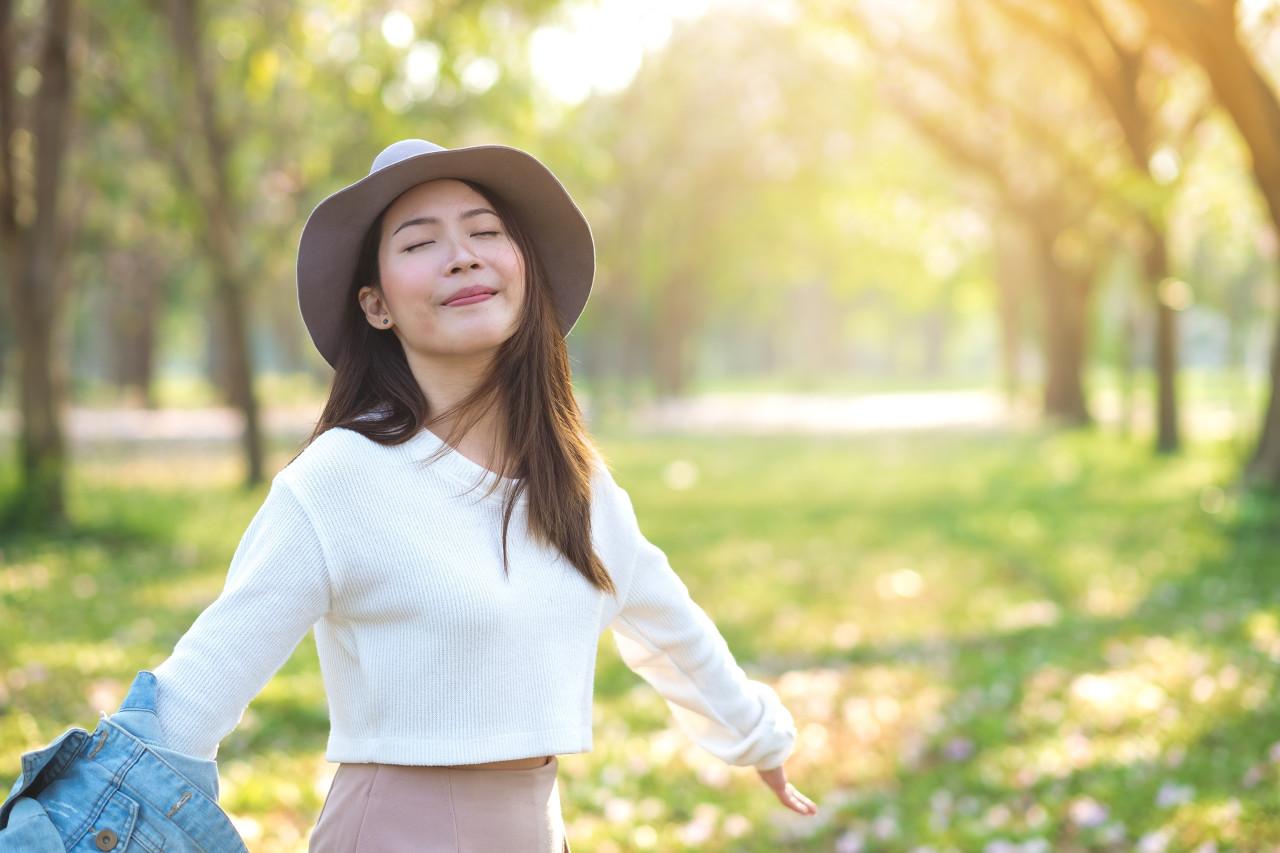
column 788, row 795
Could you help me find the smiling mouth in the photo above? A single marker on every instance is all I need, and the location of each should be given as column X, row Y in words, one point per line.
column 468, row 300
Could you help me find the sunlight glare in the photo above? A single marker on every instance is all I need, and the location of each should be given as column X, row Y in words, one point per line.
column 397, row 29
column 601, row 46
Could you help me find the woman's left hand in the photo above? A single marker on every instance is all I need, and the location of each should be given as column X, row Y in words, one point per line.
column 787, row 793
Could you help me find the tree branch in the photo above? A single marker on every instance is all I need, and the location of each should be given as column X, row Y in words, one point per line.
column 1124, row 54
column 965, row 86
column 156, row 130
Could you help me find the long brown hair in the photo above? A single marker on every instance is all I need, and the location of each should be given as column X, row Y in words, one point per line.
column 548, row 446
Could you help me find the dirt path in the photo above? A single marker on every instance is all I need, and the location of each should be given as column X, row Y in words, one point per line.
column 756, row 412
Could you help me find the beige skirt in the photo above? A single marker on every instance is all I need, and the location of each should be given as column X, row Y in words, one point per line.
column 390, row 808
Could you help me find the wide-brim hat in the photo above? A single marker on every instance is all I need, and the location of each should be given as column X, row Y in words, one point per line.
column 330, row 243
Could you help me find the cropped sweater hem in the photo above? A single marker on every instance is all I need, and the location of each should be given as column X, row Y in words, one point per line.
column 458, row 750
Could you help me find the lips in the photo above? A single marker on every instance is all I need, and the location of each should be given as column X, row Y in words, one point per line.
column 472, row 290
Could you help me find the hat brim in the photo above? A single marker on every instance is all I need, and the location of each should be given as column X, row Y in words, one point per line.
column 331, row 237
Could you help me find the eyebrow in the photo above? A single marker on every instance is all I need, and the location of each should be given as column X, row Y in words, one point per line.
column 431, row 220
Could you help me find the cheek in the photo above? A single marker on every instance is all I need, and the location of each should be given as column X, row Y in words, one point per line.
column 405, row 273
column 512, row 266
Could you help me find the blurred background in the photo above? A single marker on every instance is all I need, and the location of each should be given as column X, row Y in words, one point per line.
column 937, row 342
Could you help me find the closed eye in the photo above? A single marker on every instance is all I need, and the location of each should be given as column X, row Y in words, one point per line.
column 416, row 245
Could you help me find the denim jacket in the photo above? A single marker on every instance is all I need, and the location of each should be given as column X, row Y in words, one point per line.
column 117, row 790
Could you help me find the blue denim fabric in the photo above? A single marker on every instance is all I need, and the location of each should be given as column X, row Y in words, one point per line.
column 116, row 789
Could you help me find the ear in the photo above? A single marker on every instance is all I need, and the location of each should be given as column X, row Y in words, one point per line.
column 374, row 307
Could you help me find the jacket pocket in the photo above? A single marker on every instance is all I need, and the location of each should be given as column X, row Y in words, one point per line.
column 109, row 829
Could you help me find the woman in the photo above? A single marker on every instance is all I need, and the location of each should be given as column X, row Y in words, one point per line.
column 457, row 634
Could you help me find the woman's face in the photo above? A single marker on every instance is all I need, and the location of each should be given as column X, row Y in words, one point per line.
column 438, row 238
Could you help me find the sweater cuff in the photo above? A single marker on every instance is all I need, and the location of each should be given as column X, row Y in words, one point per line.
column 766, row 745
column 777, row 729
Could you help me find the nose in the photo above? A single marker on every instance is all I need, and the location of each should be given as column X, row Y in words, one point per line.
column 464, row 259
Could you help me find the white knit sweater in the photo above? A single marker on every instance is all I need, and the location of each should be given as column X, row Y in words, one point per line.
column 429, row 654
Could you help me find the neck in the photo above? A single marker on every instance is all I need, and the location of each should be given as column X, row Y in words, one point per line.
column 446, row 381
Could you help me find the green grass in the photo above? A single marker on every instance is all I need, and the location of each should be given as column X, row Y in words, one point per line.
column 983, row 637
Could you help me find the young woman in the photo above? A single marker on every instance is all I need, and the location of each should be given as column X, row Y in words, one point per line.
column 457, row 632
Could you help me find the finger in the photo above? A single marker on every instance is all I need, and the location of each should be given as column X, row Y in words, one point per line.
column 789, row 799
column 805, row 804
column 797, row 806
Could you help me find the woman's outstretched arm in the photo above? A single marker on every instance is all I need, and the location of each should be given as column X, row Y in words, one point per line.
column 277, row 586
column 666, row 638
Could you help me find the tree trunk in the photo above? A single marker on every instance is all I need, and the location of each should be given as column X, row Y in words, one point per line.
column 42, row 393
column 134, row 310
column 6, row 342
column 1131, row 328
column 34, row 248
column 1156, row 269
column 1240, row 305
column 935, row 325
column 671, row 338
column 1010, row 276
column 1264, row 466
column 1064, row 303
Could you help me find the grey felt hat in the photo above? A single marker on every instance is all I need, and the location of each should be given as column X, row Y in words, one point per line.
column 330, row 241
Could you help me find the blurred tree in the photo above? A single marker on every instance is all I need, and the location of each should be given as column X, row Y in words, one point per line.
column 952, row 94
column 36, row 230
column 1116, row 61
column 841, row 231
column 722, row 178
column 212, row 184
column 133, row 317
column 134, row 259
column 1208, row 32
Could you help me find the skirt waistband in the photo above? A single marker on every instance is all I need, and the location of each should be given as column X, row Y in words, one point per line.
column 549, row 765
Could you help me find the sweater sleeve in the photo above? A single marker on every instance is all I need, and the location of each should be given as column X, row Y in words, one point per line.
column 277, row 586
column 669, row 640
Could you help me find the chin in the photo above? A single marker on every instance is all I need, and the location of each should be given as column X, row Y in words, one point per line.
column 477, row 339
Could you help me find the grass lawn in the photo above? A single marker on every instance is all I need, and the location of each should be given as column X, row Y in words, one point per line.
column 989, row 641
